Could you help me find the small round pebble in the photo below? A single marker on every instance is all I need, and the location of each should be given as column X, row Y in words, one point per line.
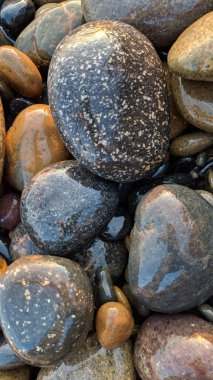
column 190, row 143
column 9, row 211
column 206, row 311
column 121, row 298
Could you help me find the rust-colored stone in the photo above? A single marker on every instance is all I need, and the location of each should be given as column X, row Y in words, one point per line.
column 2, row 139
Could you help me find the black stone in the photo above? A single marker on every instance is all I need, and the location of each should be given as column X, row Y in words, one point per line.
column 17, row 105
column 183, row 164
column 65, row 208
column 119, row 226
column 16, row 14
column 104, row 291
column 4, row 249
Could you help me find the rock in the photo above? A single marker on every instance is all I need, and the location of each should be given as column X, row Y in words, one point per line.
column 104, row 290
column 8, row 359
column 114, row 325
column 119, row 226
column 4, row 246
column 206, row 311
column 161, row 22
column 201, row 159
column 2, row 140
column 19, row 104
column 191, row 55
column 39, row 3
column 44, row 8
column 94, row 362
column 3, row 267
column 191, row 143
column 5, row 91
column 176, row 347
column 20, row 72
column 15, row 15
column 9, row 211
column 40, row 38
column 121, row 298
column 102, row 254
column 139, row 307
column 65, row 208
column 32, row 143
column 115, row 135
column 5, row 39
column 21, row 245
column 205, row 195
column 171, row 254
column 195, row 101
column 46, row 307
column 209, row 181
column 16, row 374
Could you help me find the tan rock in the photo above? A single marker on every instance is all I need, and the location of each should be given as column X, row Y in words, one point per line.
column 2, row 140
column 121, row 298
column 16, row 374
column 191, row 143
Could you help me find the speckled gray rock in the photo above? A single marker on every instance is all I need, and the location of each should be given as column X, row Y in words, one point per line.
column 107, row 93
column 65, row 207
column 171, row 255
column 46, row 308
column 160, row 21
column 94, row 362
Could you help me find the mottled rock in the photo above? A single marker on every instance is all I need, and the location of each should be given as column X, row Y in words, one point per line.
column 2, row 139
column 176, row 347
column 121, row 298
column 191, row 55
column 161, row 22
column 205, row 195
column 119, row 226
column 65, row 207
column 9, row 211
column 15, row 15
column 32, row 143
column 115, row 135
column 8, row 359
column 114, row 324
column 171, row 254
column 40, row 38
column 190, row 143
column 16, row 374
column 94, row 362
column 194, row 100
column 46, row 307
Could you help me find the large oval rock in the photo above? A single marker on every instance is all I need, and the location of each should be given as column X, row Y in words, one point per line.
column 176, row 347
column 171, row 256
column 65, row 207
column 107, row 92
column 160, row 21
column 46, row 308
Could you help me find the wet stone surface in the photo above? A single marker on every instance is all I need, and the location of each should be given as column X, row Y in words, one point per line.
column 16, row 14
column 119, row 226
column 51, row 302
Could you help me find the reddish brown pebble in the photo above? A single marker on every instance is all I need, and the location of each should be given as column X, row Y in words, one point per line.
column 114, row 325
column 9, row 211
column 2, row 140
column 121, row 298
column 3, row 267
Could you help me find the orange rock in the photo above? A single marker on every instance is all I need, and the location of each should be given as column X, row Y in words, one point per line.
column 32, row 143
column 19, row 71
column 2, row 140
column 114, row 324
column 121, row 298
column 3, row 265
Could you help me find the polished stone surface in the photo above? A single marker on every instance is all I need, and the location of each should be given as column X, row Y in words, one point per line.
column 119, row 226
column 190, row 143
column 15, row 15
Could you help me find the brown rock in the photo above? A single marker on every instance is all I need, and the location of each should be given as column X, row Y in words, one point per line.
column 2, row 140
column 3, row 267
column 176, row 347
column 20, row 72
column 191, row 143
column 5, row 91
column 9, row 211
column 32, row 143
column 114, row 325
column 16, row 374
column 121, row 298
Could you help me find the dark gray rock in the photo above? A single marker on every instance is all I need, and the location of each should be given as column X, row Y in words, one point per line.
column 171, row 256
column 46, row 308
column 107, row 93
column 65, row 207
column 119, row 226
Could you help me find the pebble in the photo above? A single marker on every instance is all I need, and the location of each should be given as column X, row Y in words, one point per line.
column 8, row 359
column 209, row 181
column 2, row 139
column 195, row 101
column 3, row 267
column 139, row 307
column 5, row 91
column 206, row 311
column 190, row 143
column 65, row 208
column 104, row 291
column 176, row 347
column 191, row 54
column 119, row 226
column 44, row 8
column 40, row 38
column 9, row 210
column 161, row 22
column 205, row 195
column 16, row 374
column 94, row 362
column 95, row 122
column 15, row 15
column 32, row 143
column 121, row 298
column 114, row 325
column 171, row 250
column 46, row 307
column 20, row 72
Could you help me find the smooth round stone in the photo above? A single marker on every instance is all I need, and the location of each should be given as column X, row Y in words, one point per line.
column 46, row 307
column 102, row 254
column 121, row 298
column 119, row 226
column 2, row 139
column 94, row 362
column 21, row 245
column 44, row 8
column 115, row 135
column 114, row 325
column 40, row 38
column 9, row 211
column 191, row 55
column 19, row 104
column 176, row 347
column 16, row 374
column 205, row 195
column 15, row 15
column 161, row 22
column 20, row 72
column 195, row 101
column 201, row 159
column 190, row 143
column 5, row 91
column 8, row 359
column 209, row 181
column 171, row 253
column 206, row 311
column 32, row 143
column 65, row 208
column 104, row 290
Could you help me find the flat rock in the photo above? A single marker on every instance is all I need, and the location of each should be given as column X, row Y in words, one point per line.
column 65, row 208
column 171, row 254
column 114, row 135
column 2, row 139
column 176, row 347
column 191, row 55
column 46, row 307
